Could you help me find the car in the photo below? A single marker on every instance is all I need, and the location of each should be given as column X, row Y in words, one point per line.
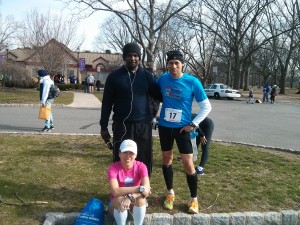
column 219, row 90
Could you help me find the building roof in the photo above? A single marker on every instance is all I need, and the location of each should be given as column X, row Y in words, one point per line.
column 20, row 54
column 92, row 57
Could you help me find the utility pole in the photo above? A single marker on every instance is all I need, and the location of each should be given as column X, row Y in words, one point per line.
column 78, row 64
column 5, row 76
column 6, row 47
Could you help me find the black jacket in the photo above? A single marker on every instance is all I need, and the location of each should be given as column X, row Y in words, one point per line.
column 127, row 95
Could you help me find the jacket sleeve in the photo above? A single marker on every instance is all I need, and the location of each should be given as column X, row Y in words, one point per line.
column 107, row 103
column 205, row 108
column 155, row 96
column 46, row 89
column 154, row 90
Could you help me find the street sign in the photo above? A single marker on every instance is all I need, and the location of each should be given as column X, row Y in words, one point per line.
column 215, row 69
column 2, row 57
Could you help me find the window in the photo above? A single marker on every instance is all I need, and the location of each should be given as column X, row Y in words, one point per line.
column 100, row 67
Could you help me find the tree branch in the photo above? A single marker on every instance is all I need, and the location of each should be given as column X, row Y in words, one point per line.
column 21, row 200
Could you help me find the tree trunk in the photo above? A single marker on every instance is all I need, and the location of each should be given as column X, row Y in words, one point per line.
column 282, row 80
column 237, row 66
column 247, row 72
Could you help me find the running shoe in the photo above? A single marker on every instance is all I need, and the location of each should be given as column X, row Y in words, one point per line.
column 199, row 170
column 45, row 129
column 193, row 207
column 168, row 203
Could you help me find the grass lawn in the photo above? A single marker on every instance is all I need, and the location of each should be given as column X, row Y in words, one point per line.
column 99, row 95
column 66, row 171
column 30, row 96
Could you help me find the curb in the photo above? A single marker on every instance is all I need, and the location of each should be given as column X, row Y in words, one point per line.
column 284, row 217
column 260, row 146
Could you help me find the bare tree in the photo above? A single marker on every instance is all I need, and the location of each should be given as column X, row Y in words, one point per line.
column 264, row 63
column 8, row 29
column 112, row 36
column 248, row 50
column 295, row 67
column 235, row 18
column 49, row 35
column 198, row 43
column 282, row 17
column 147, row 17
column 38, row 29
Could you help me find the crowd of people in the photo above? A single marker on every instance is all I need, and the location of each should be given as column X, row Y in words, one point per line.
column 266, row 90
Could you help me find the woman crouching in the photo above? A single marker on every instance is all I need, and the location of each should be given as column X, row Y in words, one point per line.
column 129, row 185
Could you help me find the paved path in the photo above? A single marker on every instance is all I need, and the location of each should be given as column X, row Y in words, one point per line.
column 85, row 100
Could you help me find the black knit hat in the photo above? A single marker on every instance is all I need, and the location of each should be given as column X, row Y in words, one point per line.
column 131, row 47
column 176, row 54
column 42, row 73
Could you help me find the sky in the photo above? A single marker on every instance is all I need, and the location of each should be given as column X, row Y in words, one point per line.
column 19, row 8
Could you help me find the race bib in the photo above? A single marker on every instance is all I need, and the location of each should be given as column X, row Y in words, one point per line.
column 173, row 115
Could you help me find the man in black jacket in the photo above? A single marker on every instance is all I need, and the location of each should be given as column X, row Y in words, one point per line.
column 127, row 92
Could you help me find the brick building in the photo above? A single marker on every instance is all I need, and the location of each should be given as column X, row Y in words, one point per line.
column 57, row 58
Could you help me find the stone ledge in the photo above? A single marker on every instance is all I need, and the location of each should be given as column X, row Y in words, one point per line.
column 284, row 217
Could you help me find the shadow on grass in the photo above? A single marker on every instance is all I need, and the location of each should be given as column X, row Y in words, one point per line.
column 14, row 128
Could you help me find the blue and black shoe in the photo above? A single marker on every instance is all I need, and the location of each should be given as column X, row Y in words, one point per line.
column 45, row 129
column 199, row 170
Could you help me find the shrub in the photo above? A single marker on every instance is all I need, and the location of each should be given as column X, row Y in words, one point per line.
column 67, row 87
column 20, row 83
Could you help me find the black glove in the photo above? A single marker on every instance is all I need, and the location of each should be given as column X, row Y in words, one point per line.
column 106, row 137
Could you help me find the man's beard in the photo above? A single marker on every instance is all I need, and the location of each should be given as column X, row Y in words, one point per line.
column 132, row 65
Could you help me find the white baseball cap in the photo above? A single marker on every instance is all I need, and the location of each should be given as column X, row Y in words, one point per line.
column 128, row 145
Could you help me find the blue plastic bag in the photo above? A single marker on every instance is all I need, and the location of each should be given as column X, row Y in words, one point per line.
column 91, row 214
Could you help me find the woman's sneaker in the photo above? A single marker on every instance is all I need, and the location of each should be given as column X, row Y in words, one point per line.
column 193, row 207
column 168, row 203
column 52, row 127
column 199, row 170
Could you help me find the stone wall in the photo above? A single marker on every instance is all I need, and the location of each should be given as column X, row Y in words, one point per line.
column 285, row 217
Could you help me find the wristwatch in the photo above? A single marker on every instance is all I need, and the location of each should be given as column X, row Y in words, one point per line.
column 131, row 198
column 192, row 125
column 142, row 189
